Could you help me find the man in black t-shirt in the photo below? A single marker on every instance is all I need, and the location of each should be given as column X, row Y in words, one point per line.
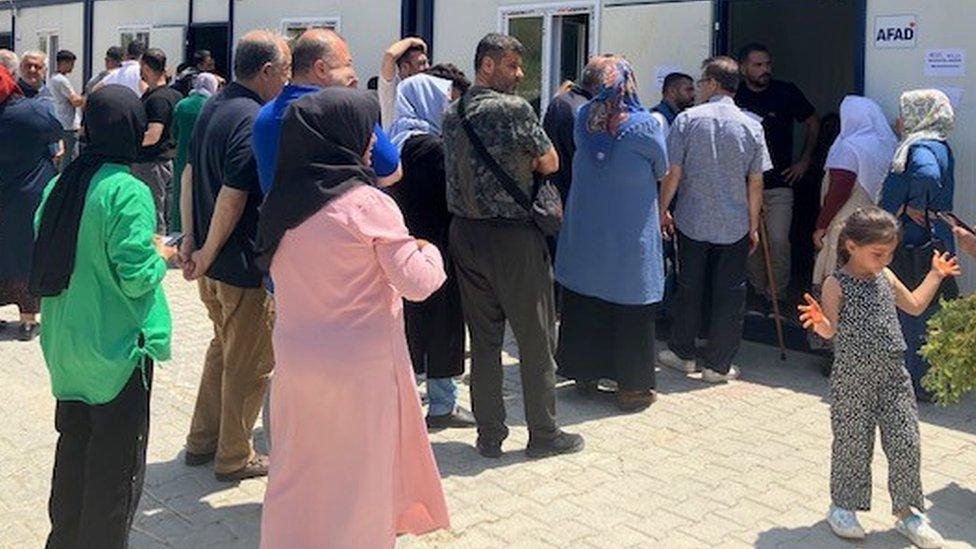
column 155, row 164
column 779, row 104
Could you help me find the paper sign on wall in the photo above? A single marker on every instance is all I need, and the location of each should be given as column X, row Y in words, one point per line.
column 949, row 62
column 895, row 31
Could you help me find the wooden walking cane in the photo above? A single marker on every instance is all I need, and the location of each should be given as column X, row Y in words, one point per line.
column 763, row 238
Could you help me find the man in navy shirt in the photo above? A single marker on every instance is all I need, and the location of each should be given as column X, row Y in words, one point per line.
column 321, row 59
column 220, row 215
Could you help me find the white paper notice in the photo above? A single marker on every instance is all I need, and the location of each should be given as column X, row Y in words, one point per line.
column 950, row 62
column 954, row 94
column 662, row 72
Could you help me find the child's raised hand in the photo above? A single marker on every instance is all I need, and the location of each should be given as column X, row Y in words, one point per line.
column 811, row 314
column 945, row 264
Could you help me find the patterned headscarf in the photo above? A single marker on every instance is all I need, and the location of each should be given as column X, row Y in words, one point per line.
column 614, row 104
column 925, row 114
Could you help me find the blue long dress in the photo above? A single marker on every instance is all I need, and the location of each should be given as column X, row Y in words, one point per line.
column 28, row 128
column 929, row 177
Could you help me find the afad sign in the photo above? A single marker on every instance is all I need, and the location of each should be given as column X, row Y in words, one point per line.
column 895, row 31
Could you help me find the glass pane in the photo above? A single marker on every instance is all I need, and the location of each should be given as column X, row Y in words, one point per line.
column 529, row 31
column 573, row 46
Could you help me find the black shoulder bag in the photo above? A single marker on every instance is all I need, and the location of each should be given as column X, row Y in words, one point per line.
column 912, row 262
column 546, row 209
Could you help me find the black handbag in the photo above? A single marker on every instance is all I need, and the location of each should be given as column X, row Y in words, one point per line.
column 912, row 262
column 545, row 208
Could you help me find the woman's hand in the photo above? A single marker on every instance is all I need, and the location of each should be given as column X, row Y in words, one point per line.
column 811, row 314
column 966, row 239
column 917, row 216
column 818, row 237
column 945, row 265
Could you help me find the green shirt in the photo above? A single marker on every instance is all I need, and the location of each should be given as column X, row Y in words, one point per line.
column 184, row 117
column 113, row 314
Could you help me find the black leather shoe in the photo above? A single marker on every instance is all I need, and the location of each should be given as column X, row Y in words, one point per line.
column 27, row 332
column 489, row 449
column 562, row 443
column 458, row 419
column 196, row 460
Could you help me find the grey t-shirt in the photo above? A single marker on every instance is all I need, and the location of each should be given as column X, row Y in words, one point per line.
column 62, row 90
column 717, row 146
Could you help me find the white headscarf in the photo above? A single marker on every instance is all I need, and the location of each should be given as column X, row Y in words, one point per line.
column 205, row 84
column 865, row 145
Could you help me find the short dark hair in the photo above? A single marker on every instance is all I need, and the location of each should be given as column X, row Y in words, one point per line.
column 310, row 48
column 673, row 79
column 448, row 71
column 252, row 54
column 751, row 48
column 201, row 56
column 155, row 59
column 496, row 45
column 723, row 70
column 135, row 49
column 405, row 56
column 115, row 53
column 65, row 56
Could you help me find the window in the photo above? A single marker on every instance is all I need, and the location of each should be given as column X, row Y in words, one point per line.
column 128, row 35
column 293, row 28
column 558, row 39
column 49, row 42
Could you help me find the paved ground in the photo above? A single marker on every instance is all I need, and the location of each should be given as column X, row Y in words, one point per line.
column 745, row 464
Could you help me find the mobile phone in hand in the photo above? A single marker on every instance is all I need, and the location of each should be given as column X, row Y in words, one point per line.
column 173, row 240
column 953, row 221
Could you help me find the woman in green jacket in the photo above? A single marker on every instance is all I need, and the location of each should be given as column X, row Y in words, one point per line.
column 185, row 116
column 98, row 269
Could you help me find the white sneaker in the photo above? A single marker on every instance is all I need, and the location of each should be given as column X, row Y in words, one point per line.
column 844, row 523
column 711, row 376
column 671, row 360
column 917, row 528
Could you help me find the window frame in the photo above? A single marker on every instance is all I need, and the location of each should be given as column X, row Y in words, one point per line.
column 317, row 22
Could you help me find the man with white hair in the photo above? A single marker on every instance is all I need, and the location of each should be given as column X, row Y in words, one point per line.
column 9, row 60
column 33, row 69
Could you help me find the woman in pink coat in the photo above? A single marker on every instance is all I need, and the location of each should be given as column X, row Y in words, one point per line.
column 352, row 465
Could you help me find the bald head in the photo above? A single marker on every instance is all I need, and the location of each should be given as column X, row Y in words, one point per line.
column 262, row 62
column 595, row 72
column 322, row 58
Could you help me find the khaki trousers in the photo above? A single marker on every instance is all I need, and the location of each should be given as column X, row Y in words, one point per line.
column 235, row 376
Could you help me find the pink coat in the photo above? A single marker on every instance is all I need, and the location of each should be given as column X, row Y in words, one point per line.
column 351, row 465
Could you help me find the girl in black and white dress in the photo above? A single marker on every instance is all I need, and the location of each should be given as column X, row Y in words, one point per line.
column 870, row 386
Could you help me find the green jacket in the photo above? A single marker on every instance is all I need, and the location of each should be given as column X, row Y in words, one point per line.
column 113, row 314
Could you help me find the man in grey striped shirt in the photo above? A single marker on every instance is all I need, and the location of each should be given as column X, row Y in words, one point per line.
column 718, row 156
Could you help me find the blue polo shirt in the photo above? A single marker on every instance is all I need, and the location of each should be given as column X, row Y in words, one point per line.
column 267, row 131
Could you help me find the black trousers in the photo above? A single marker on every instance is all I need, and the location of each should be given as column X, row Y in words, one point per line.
column 720, row 271
column 435, row 330
column 504, row 273
column 603, row 340
column 99, row 467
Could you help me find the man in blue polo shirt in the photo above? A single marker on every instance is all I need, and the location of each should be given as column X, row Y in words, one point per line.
column 320, row 59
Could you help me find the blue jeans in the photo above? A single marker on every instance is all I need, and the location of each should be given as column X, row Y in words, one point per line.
column 442, row 394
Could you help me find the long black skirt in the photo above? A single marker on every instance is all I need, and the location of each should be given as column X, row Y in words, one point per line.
column 602, row 340
column 435, row 332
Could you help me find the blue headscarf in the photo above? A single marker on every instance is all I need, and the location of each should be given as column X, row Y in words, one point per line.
column 615, row 105
column 420, row 104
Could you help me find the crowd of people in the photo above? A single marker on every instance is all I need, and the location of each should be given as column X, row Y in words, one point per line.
column 346, row 241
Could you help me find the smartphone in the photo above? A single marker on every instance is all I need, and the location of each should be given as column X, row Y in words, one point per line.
column 173, row 240
column 953, row 221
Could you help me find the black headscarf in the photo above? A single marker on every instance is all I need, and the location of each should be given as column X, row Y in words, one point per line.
column 320, row 156
column 114, row 124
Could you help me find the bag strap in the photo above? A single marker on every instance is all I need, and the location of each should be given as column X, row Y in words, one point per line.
column 508, row 183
